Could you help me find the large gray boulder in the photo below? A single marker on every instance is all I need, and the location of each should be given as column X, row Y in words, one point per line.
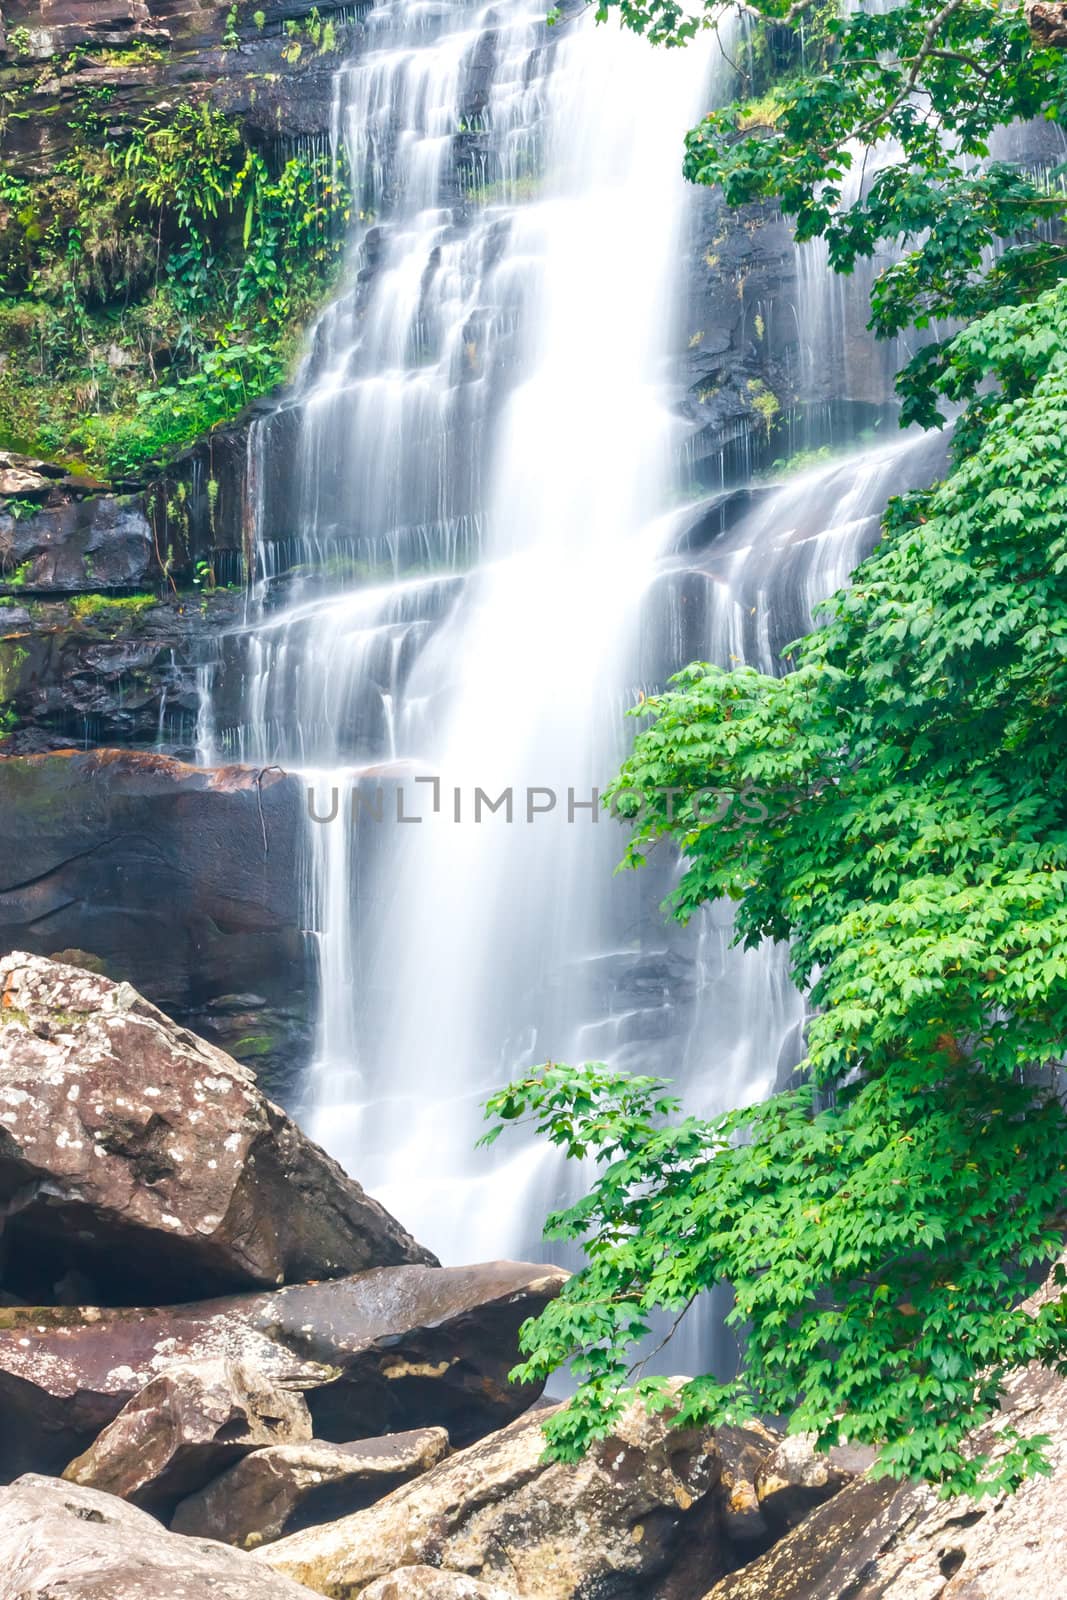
column 184, row 1428
column 62, row 1542
column 880, row 1540
column 623, row 1522
column 387, row 1350
column 147, row 1162
column 288, row 1487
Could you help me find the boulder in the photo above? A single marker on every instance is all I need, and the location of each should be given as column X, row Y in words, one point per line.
column 430, row 1583
column 144, row 1158
column 795, row 1478
column 293, row 1486
column 395, row 1348
column 20, row 481
column 60, row 1540
column 616, row 1523
column 829, row 1555
column 881, row 1540
column 183, row 1428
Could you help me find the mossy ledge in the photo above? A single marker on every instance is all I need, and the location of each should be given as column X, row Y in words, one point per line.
column 169, row 222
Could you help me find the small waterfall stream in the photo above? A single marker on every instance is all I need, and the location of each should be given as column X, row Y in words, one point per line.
column 485, row 573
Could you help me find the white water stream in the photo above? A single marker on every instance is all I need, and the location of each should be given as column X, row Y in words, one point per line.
column 486, row 460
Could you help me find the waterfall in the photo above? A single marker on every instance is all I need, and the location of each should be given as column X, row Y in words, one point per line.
column 496, row 930
column 484, row 573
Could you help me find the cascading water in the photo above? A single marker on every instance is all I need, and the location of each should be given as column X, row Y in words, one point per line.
column 499, row 927
column 483, row 575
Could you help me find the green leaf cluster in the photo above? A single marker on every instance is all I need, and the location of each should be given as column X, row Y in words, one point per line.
column 876, row 129
column 895, row 807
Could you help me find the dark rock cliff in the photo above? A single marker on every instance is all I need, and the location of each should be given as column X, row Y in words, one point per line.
column 182, row 880
column 57, row 56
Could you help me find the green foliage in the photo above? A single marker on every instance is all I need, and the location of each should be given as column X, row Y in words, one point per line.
column 320, row 34
column 877, row 133
column 111, row 609
column 18, row 577
column 154, row 283
column 895, row 808
column 205, row 575
column 763, row 401
column 800, row 461
column 12, row 506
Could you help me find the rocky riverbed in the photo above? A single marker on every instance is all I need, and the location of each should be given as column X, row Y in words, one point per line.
column 226, row 1371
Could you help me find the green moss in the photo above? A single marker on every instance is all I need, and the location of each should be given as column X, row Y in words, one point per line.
column 13, row 657
column 507, row 191
column 19, row 577
column 80, row 958
column 763, row 401
column 45, row 1316
column 255, row 1045
column 761, row 113
column 106, row 608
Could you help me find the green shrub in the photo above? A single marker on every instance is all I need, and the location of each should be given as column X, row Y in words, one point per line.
column 154, row 283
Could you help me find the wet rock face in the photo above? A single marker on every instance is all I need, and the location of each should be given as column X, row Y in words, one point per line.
column 149, row 1163
column 752, row 390
column 59, row 1539
column 740, row 328
column 183, row 881
column 187, row 59
column 222, row 495
column 616, row 1524
column 184, row 1427
column 111, row 673
column 288, row 1487
column 83, row 546
column 386, row 1350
